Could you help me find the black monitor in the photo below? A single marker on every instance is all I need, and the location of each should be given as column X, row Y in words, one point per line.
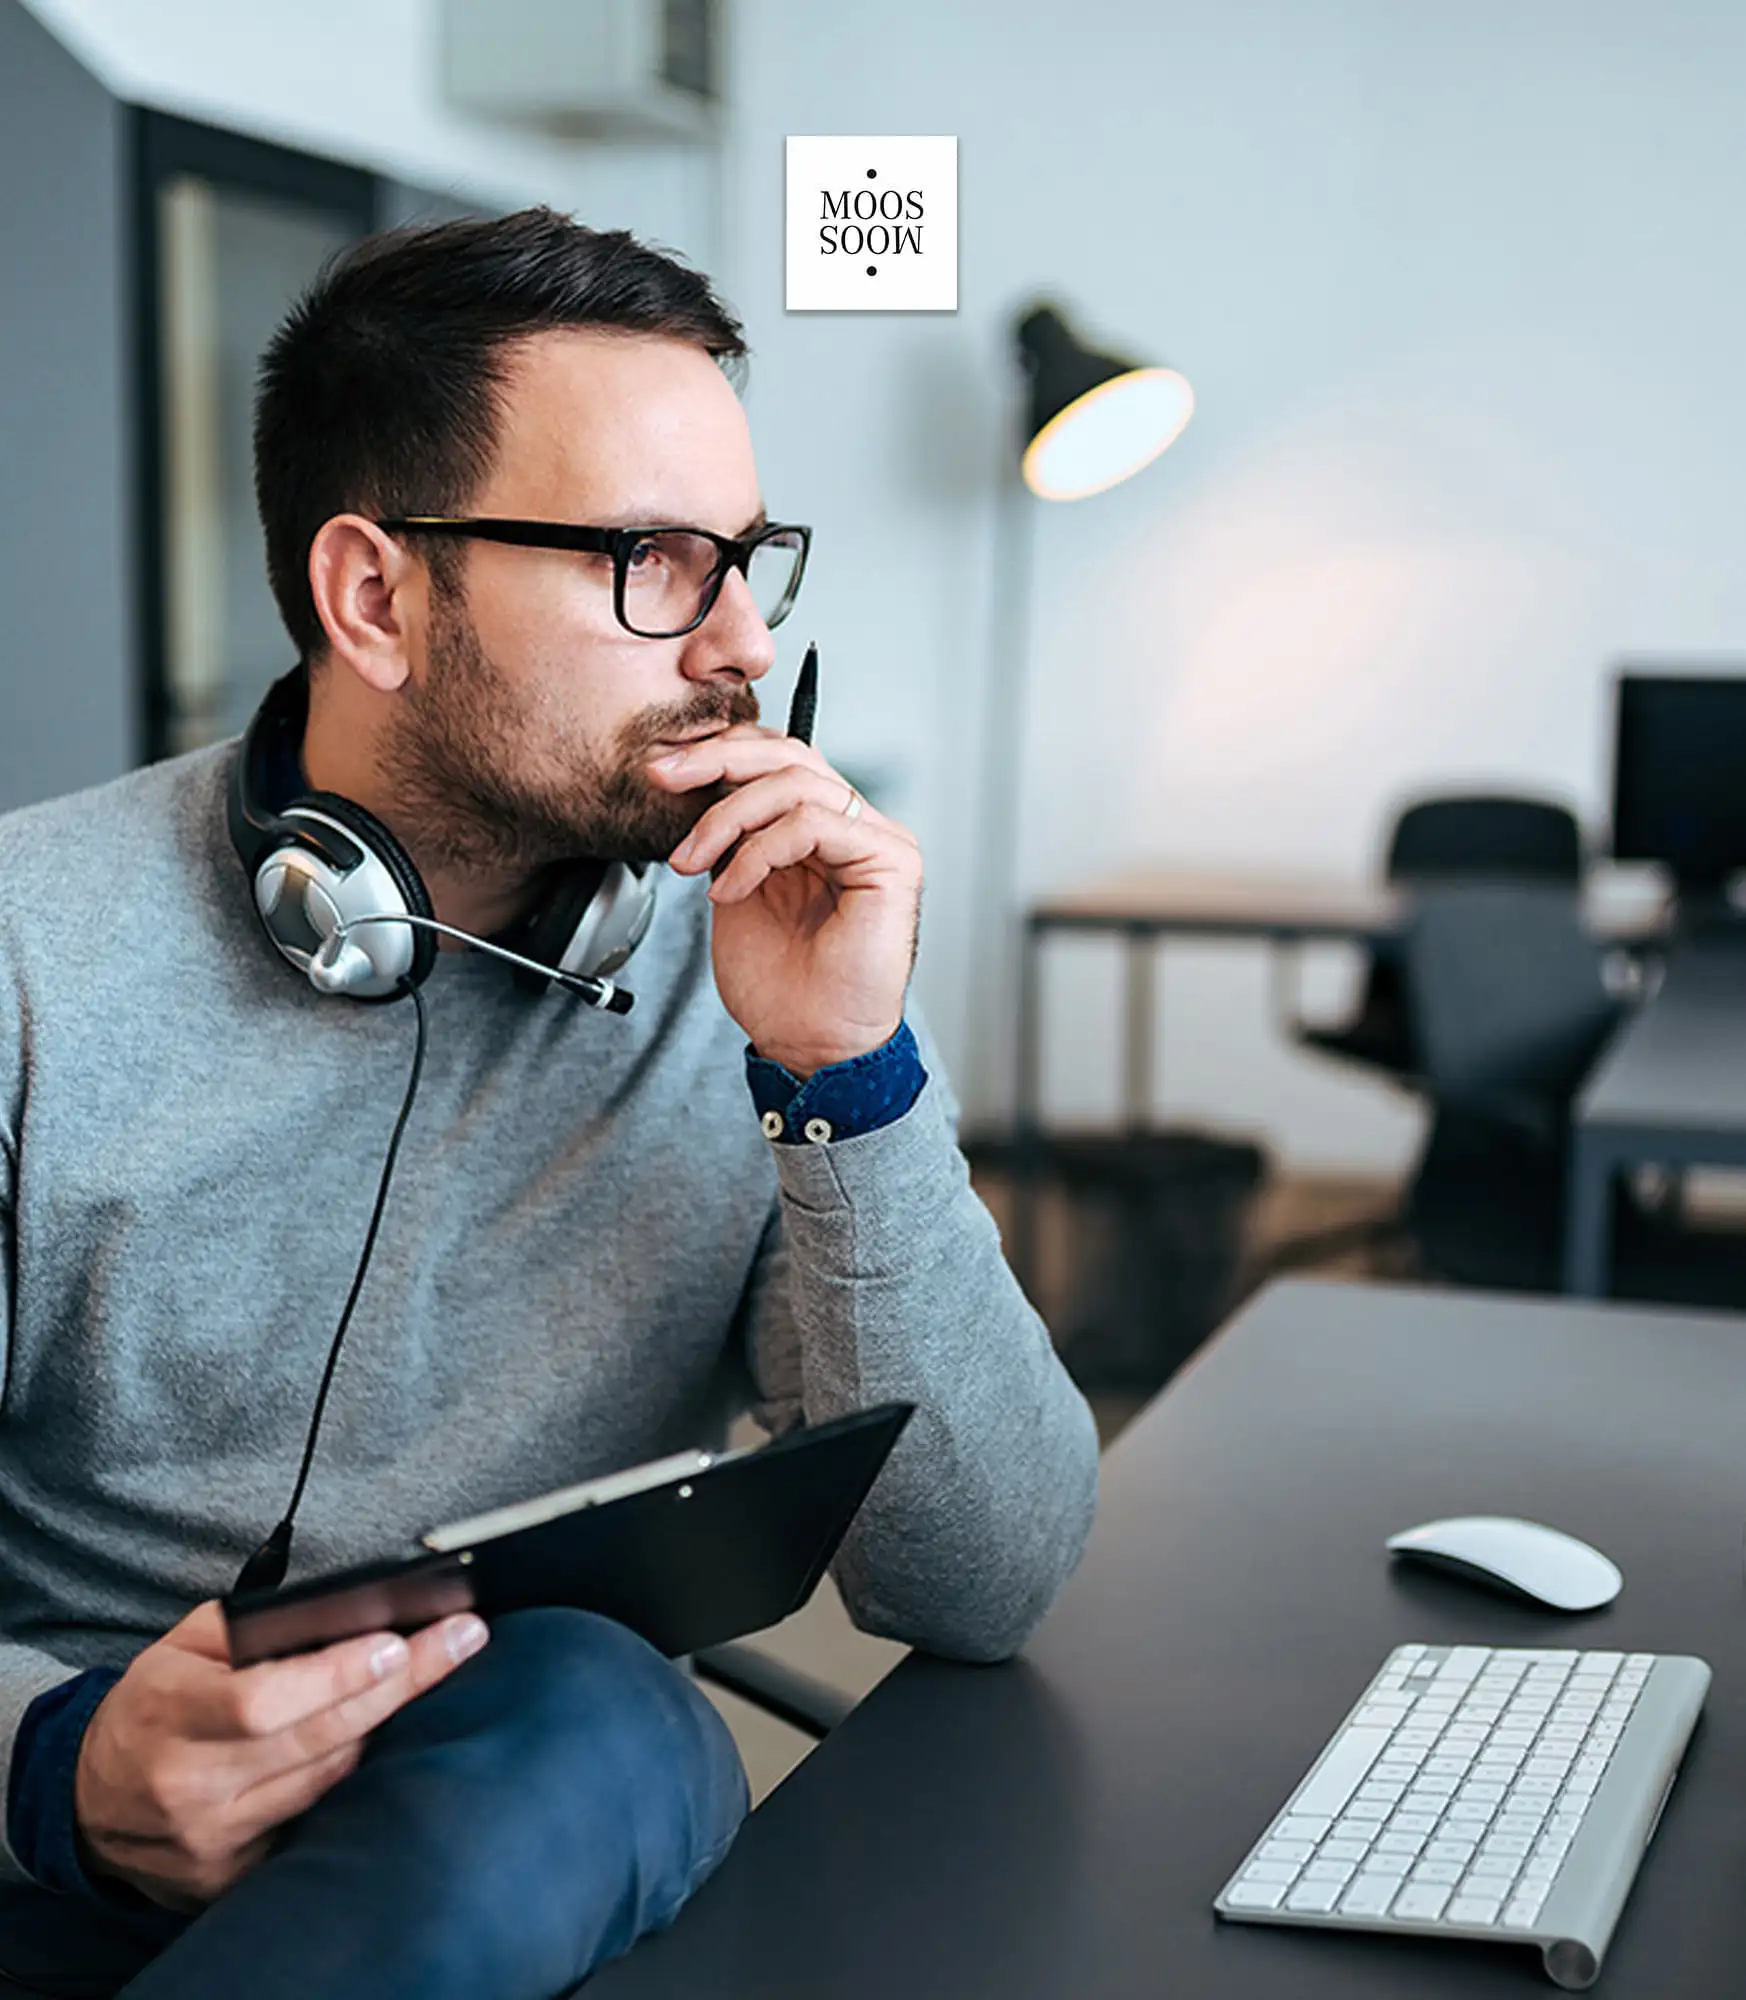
column 1679, row 775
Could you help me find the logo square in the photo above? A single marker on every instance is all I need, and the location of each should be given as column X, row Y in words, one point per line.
column 872, row 225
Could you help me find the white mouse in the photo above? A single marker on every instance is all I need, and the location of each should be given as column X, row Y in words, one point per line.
column 1518, row 1557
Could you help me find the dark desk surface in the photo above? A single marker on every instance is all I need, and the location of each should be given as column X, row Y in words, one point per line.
column 1056, row 1829
column 1209, row 903
column 1680, row 1064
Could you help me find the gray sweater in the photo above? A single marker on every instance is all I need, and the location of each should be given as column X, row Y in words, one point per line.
column 591, row 1256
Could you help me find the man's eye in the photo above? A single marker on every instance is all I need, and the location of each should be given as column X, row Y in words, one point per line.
column 637, row 549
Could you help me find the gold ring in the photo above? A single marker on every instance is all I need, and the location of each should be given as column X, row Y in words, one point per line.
column 853, row 809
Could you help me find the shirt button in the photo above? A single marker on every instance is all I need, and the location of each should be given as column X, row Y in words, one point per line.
column 818, row 1130
column 772, row 1124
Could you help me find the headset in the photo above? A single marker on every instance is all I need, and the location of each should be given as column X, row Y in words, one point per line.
column 341, row 900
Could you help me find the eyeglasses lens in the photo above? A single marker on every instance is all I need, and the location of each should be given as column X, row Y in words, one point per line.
column 668, row 576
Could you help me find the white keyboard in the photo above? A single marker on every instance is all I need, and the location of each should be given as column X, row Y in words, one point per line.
column 1482, row 1792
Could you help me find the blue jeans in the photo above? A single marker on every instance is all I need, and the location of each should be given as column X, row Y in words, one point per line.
column 561, row 1793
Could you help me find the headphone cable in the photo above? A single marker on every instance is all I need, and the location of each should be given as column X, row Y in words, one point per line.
column 265, row 1569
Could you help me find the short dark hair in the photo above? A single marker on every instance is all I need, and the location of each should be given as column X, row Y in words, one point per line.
column 378, row 394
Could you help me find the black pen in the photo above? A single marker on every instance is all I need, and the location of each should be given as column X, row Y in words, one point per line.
column 803, row 709
column 802, row 712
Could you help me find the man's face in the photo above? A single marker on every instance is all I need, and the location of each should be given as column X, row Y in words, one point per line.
column 525, row 733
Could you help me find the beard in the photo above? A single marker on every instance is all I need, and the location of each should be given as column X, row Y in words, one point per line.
column 478, row 787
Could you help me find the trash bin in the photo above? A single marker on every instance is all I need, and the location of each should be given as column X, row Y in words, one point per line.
column 1155, row 1226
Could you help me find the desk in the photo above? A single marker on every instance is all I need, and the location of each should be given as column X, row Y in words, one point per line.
column 1146, row 906
column 1671, row 1089
column 1056, row 1829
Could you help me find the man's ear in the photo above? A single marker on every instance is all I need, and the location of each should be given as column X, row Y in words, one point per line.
column 371, row 595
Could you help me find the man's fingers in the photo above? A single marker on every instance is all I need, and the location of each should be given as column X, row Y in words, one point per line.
column 432, row 1656
column 761, row 803
column 265, row 1699
column 809, row 833
column 202, row 1633
column 735, row 759
column 270, row 1803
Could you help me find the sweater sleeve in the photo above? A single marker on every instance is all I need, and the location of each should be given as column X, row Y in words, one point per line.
column 882, row 1280
column 25, row 1672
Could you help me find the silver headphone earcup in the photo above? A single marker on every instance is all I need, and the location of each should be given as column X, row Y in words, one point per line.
column 304, row 899
column 615, row 922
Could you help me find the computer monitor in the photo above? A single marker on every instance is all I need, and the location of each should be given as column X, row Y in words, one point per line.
column 1679, row 775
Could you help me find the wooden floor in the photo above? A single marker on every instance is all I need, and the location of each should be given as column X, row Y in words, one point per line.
column 1295, row 1221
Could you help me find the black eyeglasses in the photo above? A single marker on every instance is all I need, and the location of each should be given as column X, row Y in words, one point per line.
column 664, row 579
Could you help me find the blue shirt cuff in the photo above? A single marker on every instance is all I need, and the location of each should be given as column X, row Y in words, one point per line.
column 842, row 1100
column 41, row 1816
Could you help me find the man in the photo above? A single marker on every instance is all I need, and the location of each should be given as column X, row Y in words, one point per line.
column 595, row 1249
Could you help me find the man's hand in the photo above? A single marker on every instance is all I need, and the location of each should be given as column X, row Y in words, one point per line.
column 815, row 912
column 189, row 1764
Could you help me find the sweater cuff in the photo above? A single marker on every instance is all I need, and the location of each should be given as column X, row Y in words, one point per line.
column 842, row 1100
column 41, row 1817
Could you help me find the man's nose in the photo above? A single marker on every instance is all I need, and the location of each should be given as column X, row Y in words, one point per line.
column 733, row 639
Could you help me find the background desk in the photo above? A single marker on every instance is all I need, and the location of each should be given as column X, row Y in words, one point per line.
column 1056, row 1829
column 1671, row 1089
column 1147, row 906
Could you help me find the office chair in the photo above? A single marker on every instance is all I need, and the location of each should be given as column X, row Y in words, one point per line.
column 1507, row 1010
column 1494, row 838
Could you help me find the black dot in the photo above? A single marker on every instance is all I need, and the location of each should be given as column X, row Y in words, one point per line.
column 872, row 270
column 871, row 175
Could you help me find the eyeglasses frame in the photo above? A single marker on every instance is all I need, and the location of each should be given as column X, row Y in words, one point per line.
column 618, row 543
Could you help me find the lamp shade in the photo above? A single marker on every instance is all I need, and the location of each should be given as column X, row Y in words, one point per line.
column 1094, row 418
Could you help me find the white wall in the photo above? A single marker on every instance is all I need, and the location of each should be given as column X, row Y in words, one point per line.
column 1460, row 292
column 359, row 79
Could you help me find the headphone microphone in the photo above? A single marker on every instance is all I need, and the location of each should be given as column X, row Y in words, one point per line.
column 337, row 964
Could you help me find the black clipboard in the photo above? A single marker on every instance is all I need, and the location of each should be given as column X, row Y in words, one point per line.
column 698, row 1559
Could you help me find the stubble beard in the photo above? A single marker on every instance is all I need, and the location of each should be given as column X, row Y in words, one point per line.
column 468, row 759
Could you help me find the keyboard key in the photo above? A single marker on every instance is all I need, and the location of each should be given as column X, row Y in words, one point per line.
column 1464, row 1662
column 1342, row 1772
column 1287, row 1850
column 1420, row 1905
column 1429, row 1795
column 1398, row 1843
column 1382, row 1714
column 1444, row 1849
column 1282, row 1872
column 1367, row 1810
column 1369, row 1896
column 1301, row 1826
column 1394, row 1865
column 1516, row 1844
column 1316, row 1897
column 1521, row 1913
column 1247, row 1895
column 1337, row 1872
column 1436, row 1874
column 1466, row 1814
column 1342, row 1850
column 1374, row 1794
column 1472, row 1910
column 1493, row 1870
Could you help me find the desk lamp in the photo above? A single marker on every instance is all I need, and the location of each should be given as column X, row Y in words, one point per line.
column 1092, row 420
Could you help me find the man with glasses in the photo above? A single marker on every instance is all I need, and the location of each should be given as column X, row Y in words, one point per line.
column 515, row 529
